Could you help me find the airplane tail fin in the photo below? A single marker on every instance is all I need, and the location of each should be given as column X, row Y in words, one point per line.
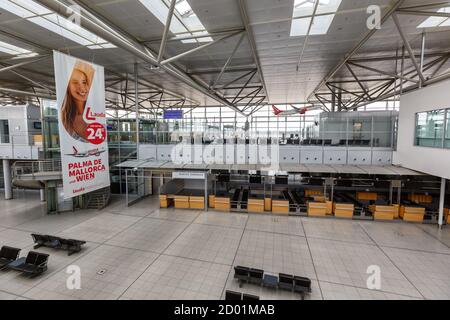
column 276, row 111
column 75, row 151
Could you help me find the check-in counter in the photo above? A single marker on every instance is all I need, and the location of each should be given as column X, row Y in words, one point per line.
column 223, row 201
column 420, row 198
column 329, row 207
column 313, row 192
column 268, row 204
column 343, row 210
column 412, row 214
column 182, row 200
column 317, row 209
column 255, row 202
column 366, row 196
column 212, row 201
column 165, row 201
column 197, row 200
column 280, row 204
column 383, row 212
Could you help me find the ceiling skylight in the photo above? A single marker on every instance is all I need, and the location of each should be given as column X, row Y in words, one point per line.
column 433, row 21
column 321, row 23
column 184, row 22
column 56, row 23
column 16, row 51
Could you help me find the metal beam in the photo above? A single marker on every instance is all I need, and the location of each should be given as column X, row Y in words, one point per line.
column 408, row 47
column 191, row 36
column 28, row 94
column 355, row 49
column 22, row 64
column 237, row 79
column 251, row 40
column 383, row 72
column 93, row 22
column 162, row 47
column 357, row 80
column 305, row 41
column 424, row 13
column 225, row 66
column 204, row 46
column 245, row 85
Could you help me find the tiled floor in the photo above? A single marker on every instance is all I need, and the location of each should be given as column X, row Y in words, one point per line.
column 143, row 252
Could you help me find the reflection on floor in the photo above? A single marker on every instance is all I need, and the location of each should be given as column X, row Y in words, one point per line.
column 143, row 252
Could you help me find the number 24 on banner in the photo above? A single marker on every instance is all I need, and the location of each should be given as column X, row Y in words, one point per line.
column 96, row 133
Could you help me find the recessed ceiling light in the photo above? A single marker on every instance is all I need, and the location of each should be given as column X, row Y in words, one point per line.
column 16, row 51
column 184, row 23
column 435, row 21
column 321, row 24
column 54, row 22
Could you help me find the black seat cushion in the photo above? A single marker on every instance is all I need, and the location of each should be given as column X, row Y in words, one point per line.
column 9, row 253
column 242, row 271
column 303, row 282
column 249, row 297
column 256, row 273
column 36, row 258
column 232, row 295
column 285, row 278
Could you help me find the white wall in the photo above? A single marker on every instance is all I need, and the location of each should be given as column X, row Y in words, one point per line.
column 432, row 161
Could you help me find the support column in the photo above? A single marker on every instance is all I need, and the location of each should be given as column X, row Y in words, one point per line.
column 339, row 101
column 441, row 203
column 42, row 194
column 7, row 179
column 136, row 98
column 333, row 100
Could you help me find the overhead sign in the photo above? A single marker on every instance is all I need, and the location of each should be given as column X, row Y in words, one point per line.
column 190, row 175
column 80, row 95
column 173, row 114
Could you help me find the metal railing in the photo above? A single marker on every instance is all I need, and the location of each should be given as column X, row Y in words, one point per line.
column 34, row 167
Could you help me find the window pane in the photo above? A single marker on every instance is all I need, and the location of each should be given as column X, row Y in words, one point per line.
column 4, row 131
column 447, row 130
column 430, row 128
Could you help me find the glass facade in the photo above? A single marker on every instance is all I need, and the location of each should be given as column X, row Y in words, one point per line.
column 433, row 129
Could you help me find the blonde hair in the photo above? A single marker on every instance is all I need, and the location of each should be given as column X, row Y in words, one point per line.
column 68, row 109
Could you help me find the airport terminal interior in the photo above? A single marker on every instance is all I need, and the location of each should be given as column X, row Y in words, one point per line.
column 224, row 149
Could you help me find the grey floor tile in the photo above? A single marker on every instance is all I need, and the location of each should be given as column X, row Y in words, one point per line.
column 100, row 228
column 334, row 229
column 208, row 243
column 275, row 253
column 442, row 235
column 332, row 291
column 175, row 214
column 403, row 235
column 429, row 272
column 276, row 224
column 222, row 219
column 16, row 283
column 175, row 278
column 7, row 296
column 142, row 208
column 15, row 238
column 149, row 234
column 52, row 224
column 347, row 263
column 106, row 273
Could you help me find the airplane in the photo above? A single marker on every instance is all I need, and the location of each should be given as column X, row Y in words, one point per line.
column 93, row 152
column 296, row 111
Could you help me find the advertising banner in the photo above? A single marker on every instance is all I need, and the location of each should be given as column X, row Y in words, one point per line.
column 80, row 94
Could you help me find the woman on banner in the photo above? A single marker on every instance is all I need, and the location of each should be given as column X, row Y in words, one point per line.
column 73, row 108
